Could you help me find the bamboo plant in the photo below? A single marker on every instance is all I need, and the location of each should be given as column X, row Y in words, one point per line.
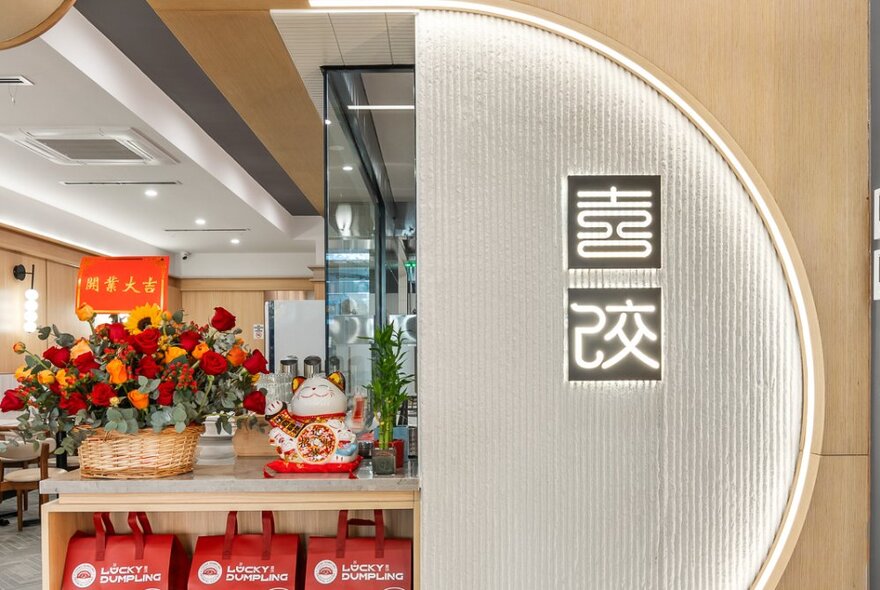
column 389, row 383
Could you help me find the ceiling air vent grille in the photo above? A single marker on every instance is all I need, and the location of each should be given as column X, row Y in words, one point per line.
column 90, row 147
column 15, row 81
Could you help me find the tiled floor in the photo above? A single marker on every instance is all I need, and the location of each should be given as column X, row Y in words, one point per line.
column 19, row 552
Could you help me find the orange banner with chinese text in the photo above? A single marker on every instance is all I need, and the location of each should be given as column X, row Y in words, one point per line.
column 117, row 285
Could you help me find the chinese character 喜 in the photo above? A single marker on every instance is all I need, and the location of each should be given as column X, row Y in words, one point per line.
column 614, row 222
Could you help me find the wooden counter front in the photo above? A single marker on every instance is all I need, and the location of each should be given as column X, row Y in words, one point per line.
column 196, row 504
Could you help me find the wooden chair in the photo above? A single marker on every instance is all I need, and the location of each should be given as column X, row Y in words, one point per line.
column 24, row 481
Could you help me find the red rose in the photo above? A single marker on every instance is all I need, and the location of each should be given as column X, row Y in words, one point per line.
column 12, row 401
column 55, row 388
column 213, row 363
column 58, row 356
column 101, row 394
column 117, row 333
column 256, row 363
column 72, row 403
column 166, row 393
column 222, row 320
column 147, row 342
column 147, row 367
column 255, row 402
column 85, row 363
column 189, row 339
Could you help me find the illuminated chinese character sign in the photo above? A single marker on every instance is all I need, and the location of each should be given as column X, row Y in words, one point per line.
column 614, row 222
column 614, row 334
column 116, row 285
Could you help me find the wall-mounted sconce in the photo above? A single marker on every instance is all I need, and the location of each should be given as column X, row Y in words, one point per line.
column 30, row 297
column 344, row 217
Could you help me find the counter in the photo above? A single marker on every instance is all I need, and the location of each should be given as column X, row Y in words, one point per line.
column 196, row 504
column 241, row 476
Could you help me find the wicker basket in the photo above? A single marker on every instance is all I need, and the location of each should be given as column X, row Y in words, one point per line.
column 145, row 455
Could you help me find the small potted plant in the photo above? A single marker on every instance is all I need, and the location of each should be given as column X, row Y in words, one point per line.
column 388, row 389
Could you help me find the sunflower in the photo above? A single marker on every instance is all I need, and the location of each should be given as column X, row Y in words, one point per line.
column 143, row 317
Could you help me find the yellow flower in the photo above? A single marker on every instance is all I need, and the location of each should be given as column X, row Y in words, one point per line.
column 85, row 312
column 62, row 379
column 173, row 353
column 114, row 401
column 143, row 317
column 138, row 399
column 200, row 349
column 118, row 372
column 46, row 377
column 22, row 374
column 163, row 342
column 19, row 348
column 81, row 347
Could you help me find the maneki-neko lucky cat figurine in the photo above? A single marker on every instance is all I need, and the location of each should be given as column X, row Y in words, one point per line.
column 311, row 434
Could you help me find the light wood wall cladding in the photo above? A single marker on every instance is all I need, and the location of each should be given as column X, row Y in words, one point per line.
column 61, row 298
column 12, row 307
column 255, row 74
column 247, row 306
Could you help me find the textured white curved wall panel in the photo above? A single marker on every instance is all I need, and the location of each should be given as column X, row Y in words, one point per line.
column 533, row 482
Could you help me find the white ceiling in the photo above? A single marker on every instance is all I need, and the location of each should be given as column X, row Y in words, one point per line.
column 121, row 219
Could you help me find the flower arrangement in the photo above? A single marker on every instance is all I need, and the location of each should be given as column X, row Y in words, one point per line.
column 153, row 371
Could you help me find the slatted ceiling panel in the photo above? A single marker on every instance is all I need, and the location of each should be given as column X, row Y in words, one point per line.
column 363, row 38
column 402, row 35
column 314, row 40
column 310, row 40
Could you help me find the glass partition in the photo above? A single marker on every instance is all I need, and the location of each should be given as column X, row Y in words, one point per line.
column 370, row 213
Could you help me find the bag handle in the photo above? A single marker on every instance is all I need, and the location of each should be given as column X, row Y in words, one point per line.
column 268, row 533
column 140, row 528
column 103, row 527
column 232, row 531
column 342, row 531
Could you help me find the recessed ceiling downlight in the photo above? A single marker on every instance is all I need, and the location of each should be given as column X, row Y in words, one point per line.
column 348, row 168
column 200, row 221
column 151, row 192
column 235, row 241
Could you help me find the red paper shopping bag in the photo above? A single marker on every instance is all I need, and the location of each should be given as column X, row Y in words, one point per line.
column 245, row 562
column 139, row 561
column 374, row 563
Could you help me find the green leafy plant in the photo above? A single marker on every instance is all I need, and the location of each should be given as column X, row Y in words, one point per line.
column 389, row 382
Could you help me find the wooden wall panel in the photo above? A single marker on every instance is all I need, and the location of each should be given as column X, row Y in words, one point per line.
column 61, row 298
column 12, row 307
column 833, row 547
column 247, row 306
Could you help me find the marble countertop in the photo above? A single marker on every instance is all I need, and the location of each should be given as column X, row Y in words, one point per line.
column 244, row 475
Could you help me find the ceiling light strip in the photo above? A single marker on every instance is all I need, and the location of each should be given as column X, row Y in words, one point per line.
column 803, row 477
column 381, row 107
